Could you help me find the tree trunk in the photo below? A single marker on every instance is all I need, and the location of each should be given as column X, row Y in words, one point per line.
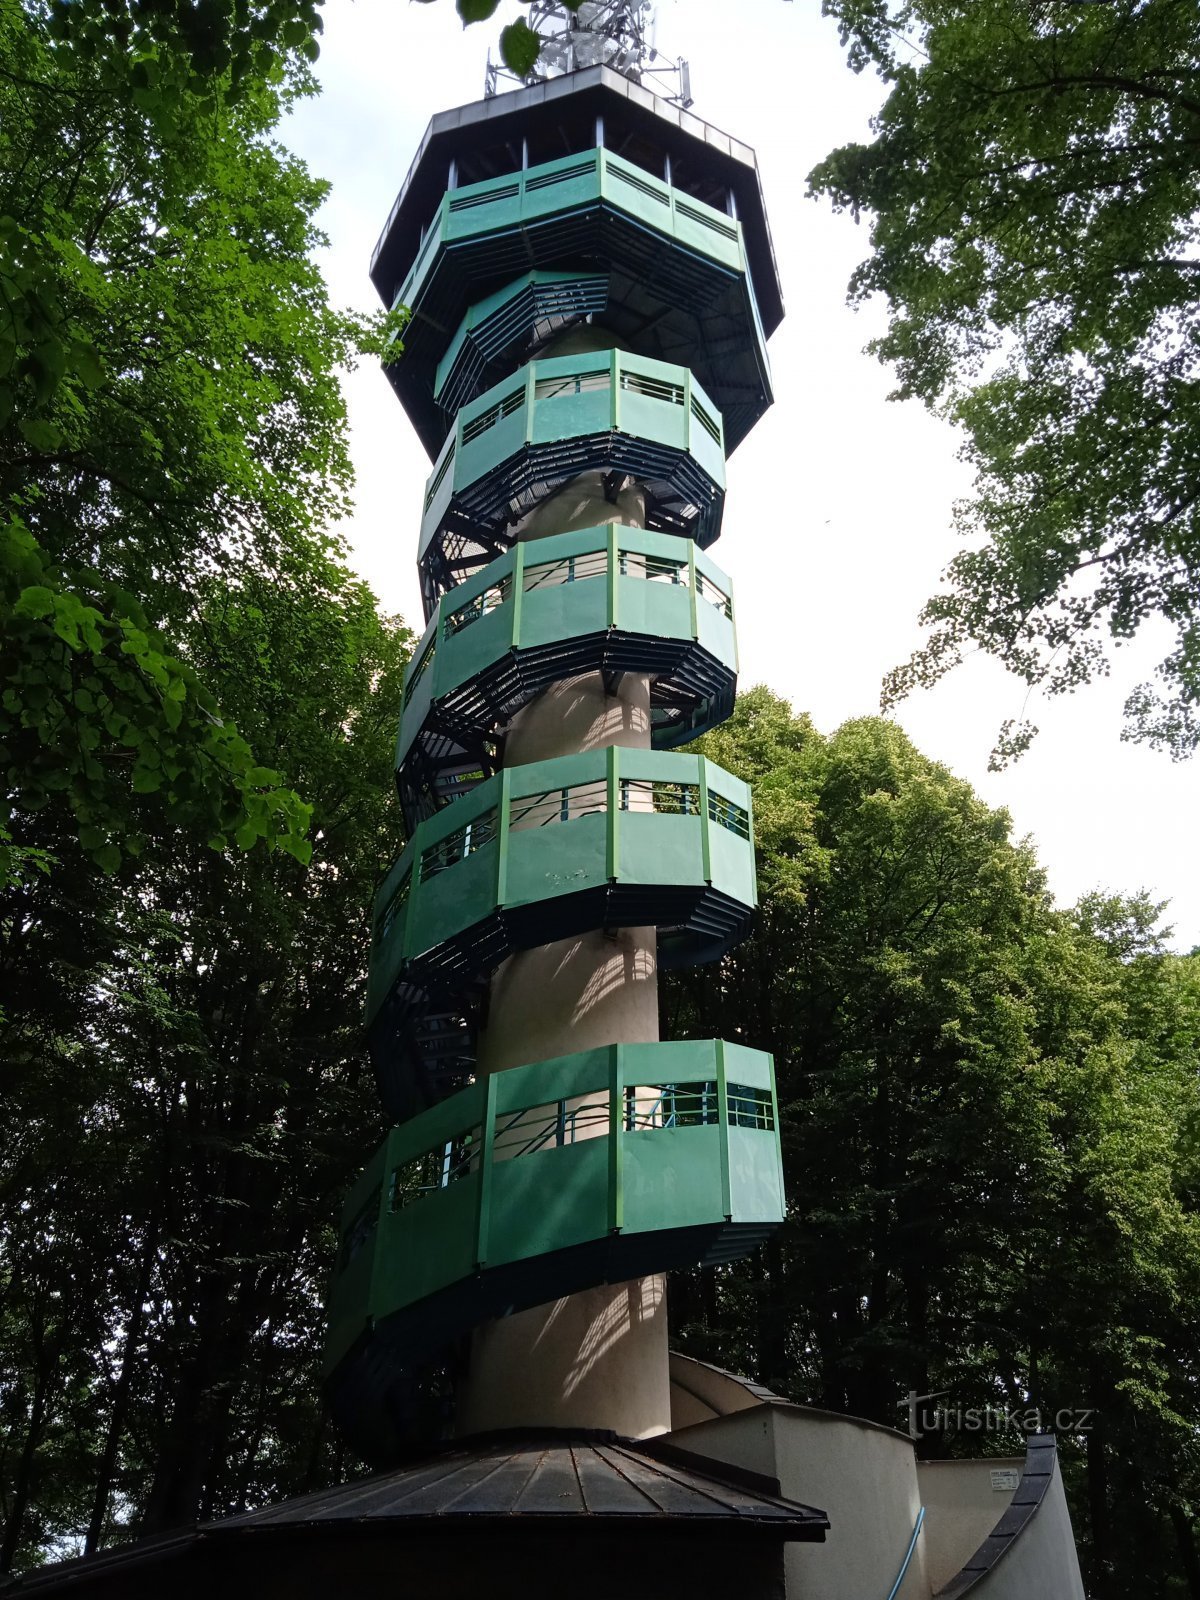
column 23, row 1483
column 120, row 1400
column 1185, row 1538
column 1097, row 1497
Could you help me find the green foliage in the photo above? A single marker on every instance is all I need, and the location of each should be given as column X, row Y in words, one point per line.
column 184, row 663
column 188, row 46
column 95, row 713
column 989, row 1126
column 169, row 411
column 184, row 1101
column 519, row 47
column 1035, row 194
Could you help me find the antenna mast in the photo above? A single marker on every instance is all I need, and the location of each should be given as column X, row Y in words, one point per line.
column 611, row 33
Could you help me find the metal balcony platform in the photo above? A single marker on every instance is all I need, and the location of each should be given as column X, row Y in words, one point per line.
column 605, row 600
column 679, row 288
column 612, row 416
column 543, row 1180
column 606, row 839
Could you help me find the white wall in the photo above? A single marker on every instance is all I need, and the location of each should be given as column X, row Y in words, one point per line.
column 1040, row 1563
column 862, row 1475
column 978, row 1536
column 963, row 1502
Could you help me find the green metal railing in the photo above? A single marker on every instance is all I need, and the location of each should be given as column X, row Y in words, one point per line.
column 517, row 199
column 609, row 1145
column 571, row 397
column 574, row 586
column 541, row 834
column 501, row 321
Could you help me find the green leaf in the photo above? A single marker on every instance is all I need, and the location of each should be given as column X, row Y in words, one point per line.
column 89, row 368
column 36, row 601
column 108, row 857
column 41, row 435
column 300, row 848
column 476, row 10
column 520, row 47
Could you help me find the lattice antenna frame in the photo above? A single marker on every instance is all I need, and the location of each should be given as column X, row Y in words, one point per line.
column 613, row 33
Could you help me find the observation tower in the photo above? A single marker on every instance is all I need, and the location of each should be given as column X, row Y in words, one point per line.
column 591, row 285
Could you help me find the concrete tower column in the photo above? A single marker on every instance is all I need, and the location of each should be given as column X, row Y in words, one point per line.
column 597, row 1359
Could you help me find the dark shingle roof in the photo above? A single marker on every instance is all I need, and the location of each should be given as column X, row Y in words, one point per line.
column 546, row 1475
column 510, row 1481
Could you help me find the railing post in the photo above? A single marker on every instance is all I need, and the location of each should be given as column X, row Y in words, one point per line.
column 616, row 1134
column 705, row 821
column 412, row 907
column 723, row 1121
column 693, row 584
column 613, row 777
column 518, row 592
column 503, row 806
column 483, row 1208
column 381, row 1216
column 774, row 1093
column 614, row 567
column 737, row 665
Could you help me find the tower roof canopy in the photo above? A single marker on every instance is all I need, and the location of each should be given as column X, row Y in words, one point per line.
column 544, row 1473
column 463, row 1509
column 558, row 118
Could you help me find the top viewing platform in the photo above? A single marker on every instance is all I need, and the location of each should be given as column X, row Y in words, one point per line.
column 566, row 116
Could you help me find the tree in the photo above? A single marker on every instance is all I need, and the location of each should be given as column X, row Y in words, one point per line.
column 1034, row 191
column 886, row 974
column 185, row 662
column 169, row 409
column 185, row 1102
column 213, row 44
column 988, row 1119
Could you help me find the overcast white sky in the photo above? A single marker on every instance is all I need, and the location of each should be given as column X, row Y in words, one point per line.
column 838, row 517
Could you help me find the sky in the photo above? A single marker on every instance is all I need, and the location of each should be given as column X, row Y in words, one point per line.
column 838, row 516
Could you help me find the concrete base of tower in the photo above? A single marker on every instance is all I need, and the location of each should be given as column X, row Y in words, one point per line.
column 593, row 1360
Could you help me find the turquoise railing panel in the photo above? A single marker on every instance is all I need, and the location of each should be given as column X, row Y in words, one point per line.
column 574, row 397
column 511, row 201
column 625, row 1141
